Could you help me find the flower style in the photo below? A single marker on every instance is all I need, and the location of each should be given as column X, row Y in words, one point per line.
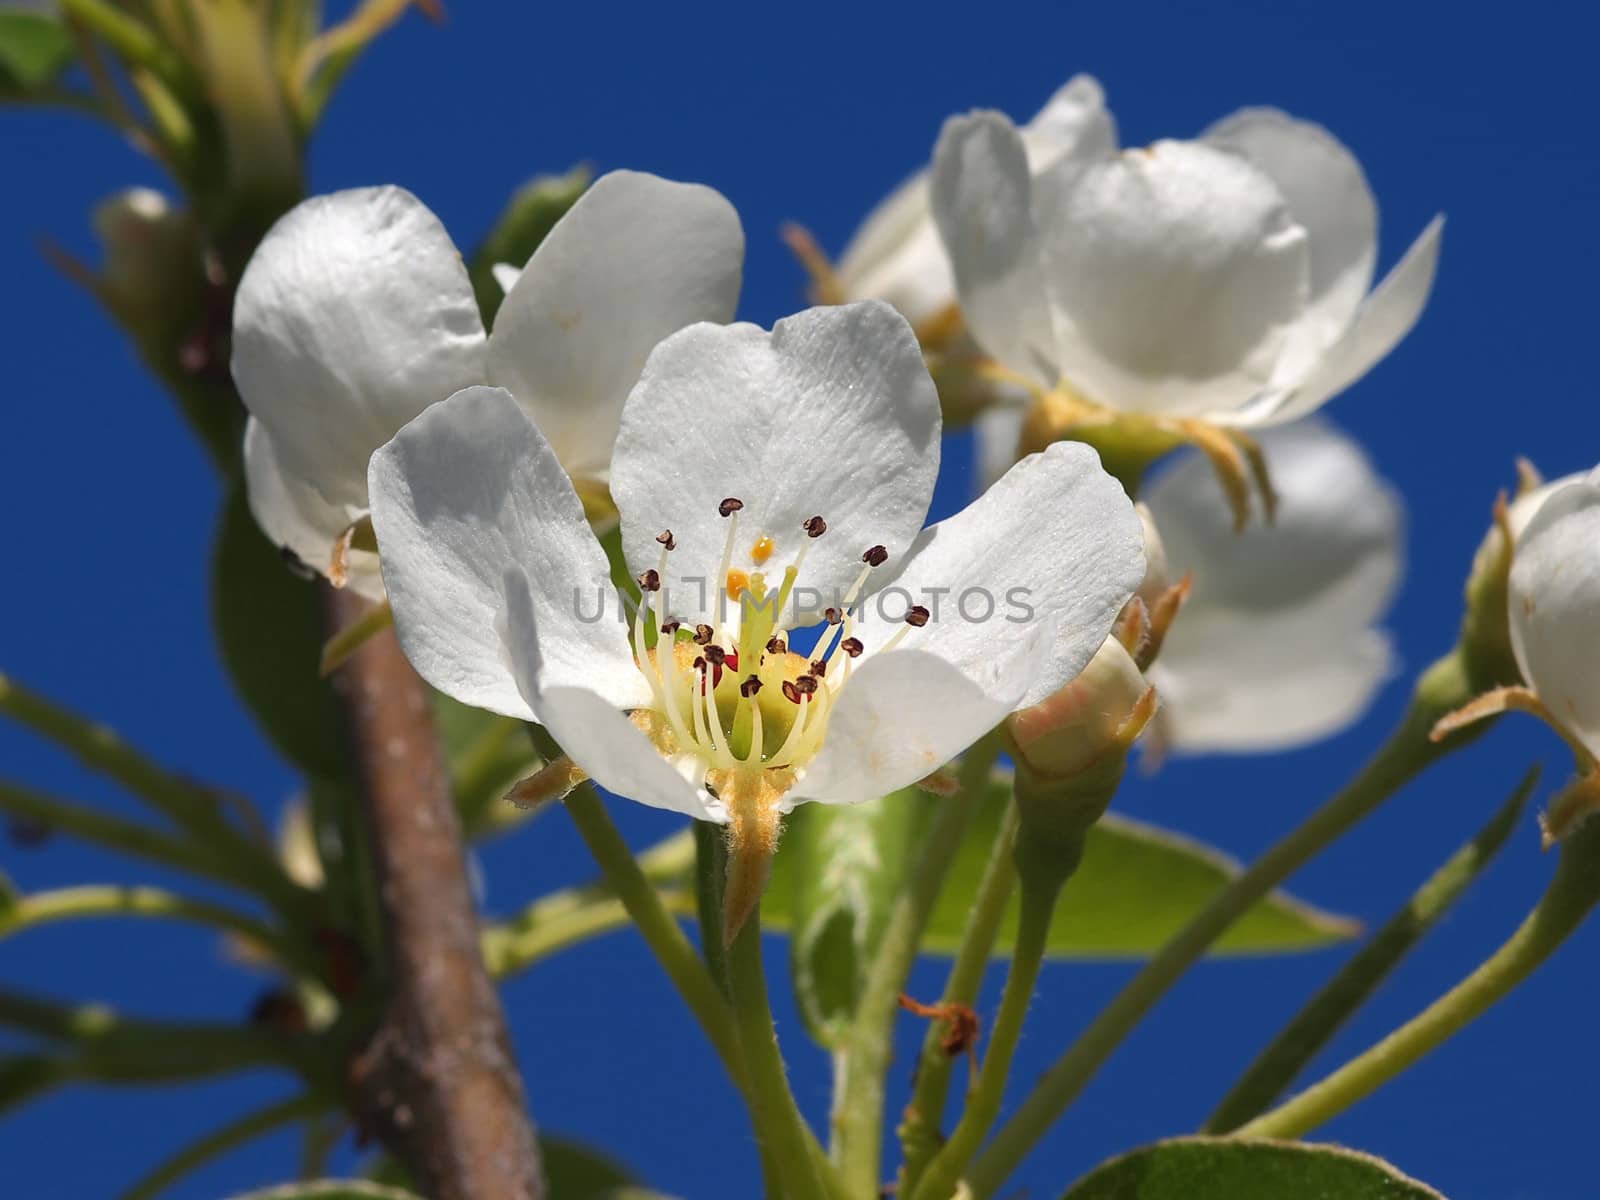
column 1224, row 279
column 356, row 313
column 764, row 481
column 1276, row 646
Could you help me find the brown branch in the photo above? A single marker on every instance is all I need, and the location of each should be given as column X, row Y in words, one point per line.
column 438, row 1082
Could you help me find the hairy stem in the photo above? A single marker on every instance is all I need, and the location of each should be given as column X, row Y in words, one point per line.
column 1443, row 688
column 1571, row 896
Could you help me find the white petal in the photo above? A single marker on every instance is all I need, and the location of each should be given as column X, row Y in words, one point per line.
column 1261, row 694
column 1277, row 634
column 1054, row 545
column 462, row 494
column 594, row 735
column 1328, row 196
column 1176, row 274
column 832, row 414
column 896, row 255
column 294, row 515
column 1073, row 122
column 1523, row 508
column 982, row 201
column 900, row 717
column 1554, row 607
column 636, row 258
column 353, row 316
column 1386, row 317
column 506, row 275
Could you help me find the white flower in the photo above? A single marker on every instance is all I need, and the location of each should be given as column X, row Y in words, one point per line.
column 1276, row 646
column 896, row 254
column 1554, row 608
column 784, row 472
column 1223, row 279
column 356, row 313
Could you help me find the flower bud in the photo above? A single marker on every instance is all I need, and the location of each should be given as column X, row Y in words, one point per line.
column 1485, row 628
column 1099, row 713
column 150, row 253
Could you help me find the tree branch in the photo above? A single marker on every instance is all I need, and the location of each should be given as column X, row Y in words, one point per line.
column 438, row 1081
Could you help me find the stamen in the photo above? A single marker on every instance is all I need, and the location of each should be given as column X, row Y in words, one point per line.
column 819, row 667
column 666, row 539
column 852, row 647
column 650, row 581
column 832, row 616
column 917, row 617
column 716, row 655
column 806, row 685
column 728, row 508
column 670, row 627
column 702, row 635
column 876, row 556
column 776, row 645
column 815, row 527
column 750, row 686
column 719, row 738
column 790, row 692
column 791, row 744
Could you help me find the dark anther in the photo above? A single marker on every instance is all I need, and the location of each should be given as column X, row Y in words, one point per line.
column 876, row 556
column 716, row 655
column 805, row 684
column 832, row 616
column 750, row 687
column 852, row 647
column 702, row 635
column 666, row 539
column 790, row 692
column 730, row 506
column 815, row 527
column 699, row 664
column 668, row 628
column 775, row 646
column 650, row 581
column 917, row 617
column 819, row 667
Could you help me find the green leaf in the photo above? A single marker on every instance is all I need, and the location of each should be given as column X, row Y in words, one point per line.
column 269, row 631
column 1275, row 1068
column 1136, row 887
column 35, row 48
column 1201, row 1168
column 330, row 1189
column 530, row 215
column 572, row 1171
column 843, row 866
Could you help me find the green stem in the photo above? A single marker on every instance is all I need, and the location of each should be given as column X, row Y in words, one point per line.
column 1275, row 1068
column 132, row 40
column 864, row 1055
column 780, row 1128
column 656, row 925
column 101, row 749
column 94, row 900
column 235, row 1133
column 261, row 875
column 1039, row 894
column 919, row 1127
column 510, row 949
column 1572, row 894
column 1443, row 688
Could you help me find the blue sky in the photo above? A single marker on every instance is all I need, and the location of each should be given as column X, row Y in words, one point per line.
column 812, row 113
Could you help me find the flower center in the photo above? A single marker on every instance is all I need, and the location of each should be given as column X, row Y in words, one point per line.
column 752, row 711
